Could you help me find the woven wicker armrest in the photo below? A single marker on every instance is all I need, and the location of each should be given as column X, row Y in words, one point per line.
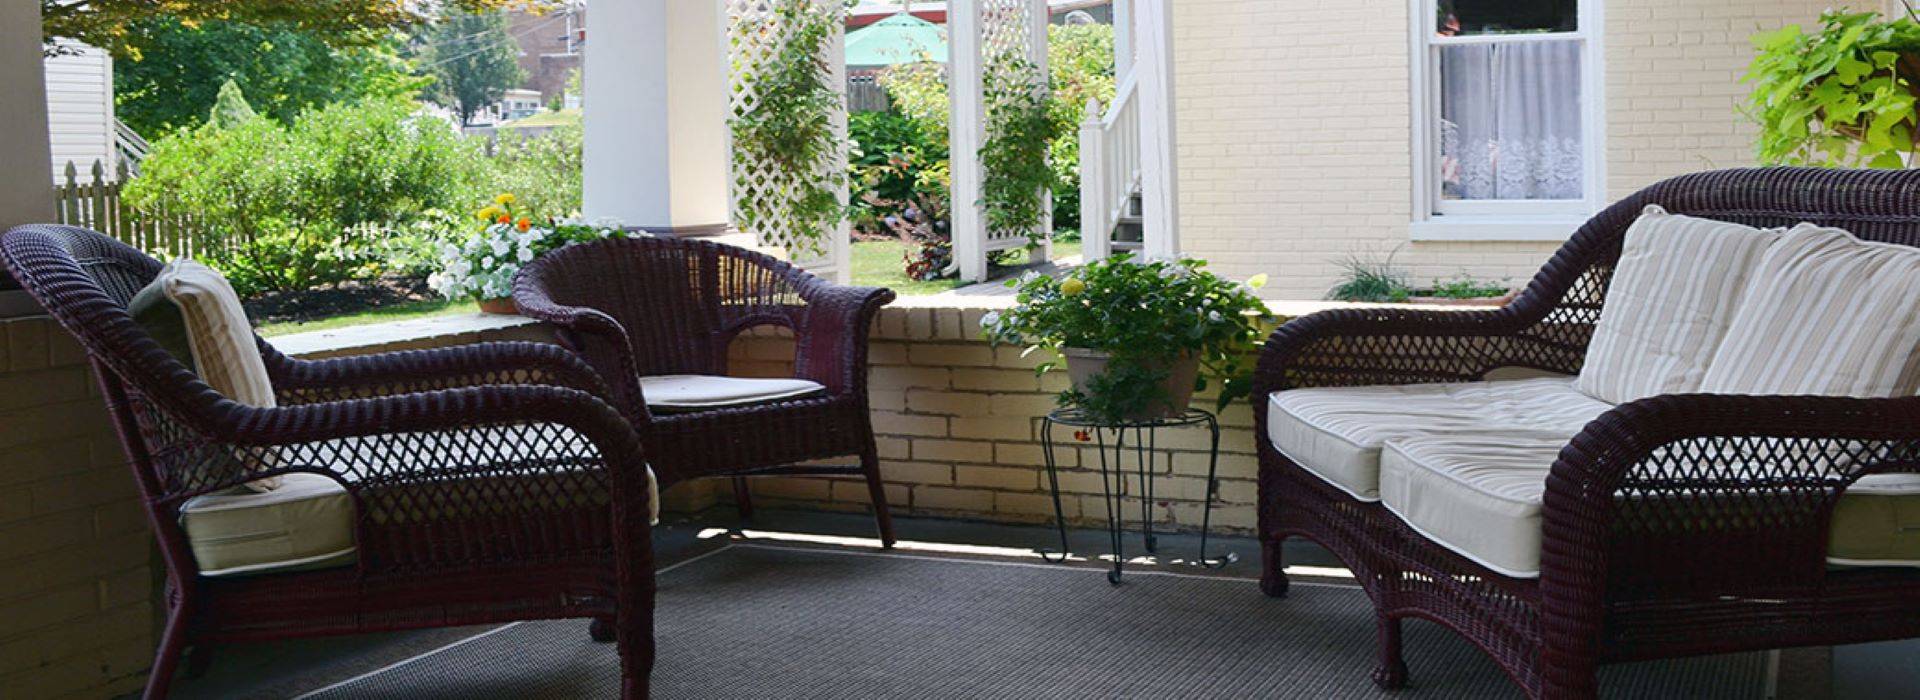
column 299, row 381
column 830, row 334
column 1358, row 347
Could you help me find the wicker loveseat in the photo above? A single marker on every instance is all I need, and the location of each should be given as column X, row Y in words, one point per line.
column 1674, row 525
column 481, row 484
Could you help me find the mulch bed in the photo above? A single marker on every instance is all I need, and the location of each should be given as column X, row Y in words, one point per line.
column 346, row 297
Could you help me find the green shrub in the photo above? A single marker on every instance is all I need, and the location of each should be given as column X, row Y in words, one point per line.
column 1369, row 279
column 542, row 171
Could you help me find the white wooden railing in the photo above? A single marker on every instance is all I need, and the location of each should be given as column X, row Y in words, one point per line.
column 1109, row 167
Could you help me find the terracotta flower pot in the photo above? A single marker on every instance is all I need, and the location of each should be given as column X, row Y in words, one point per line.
column 502, row 305
column 1083, row 365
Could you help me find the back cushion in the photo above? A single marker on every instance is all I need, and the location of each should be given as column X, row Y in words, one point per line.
column 1826, row 314
column 1674, row 292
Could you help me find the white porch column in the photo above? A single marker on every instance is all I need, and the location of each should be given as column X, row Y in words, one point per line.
column 26, row 196
column 1122, row 38
column 1159, row 166
column 656, row 116
column 966, row 131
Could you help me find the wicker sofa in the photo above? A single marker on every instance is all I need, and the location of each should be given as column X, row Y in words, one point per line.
column 1673, row 525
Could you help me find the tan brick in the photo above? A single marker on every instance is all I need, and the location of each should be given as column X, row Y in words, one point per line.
column 926, row 450
column 917, row 473
column 993, row 428
column 1019, row 358
column 1022, row 405
column 995, row 380
column 27, row 344
column 891, row 448
column 1033, row 455
column 910, row 377
column 856, row 492
column 919, row 324
column 879, row 353
column 946, row 324
column 946, row 402
column 1003, row 478
column 890, row 423
column 951, row 355
column 796, row 489
column 951, row 499
column 886, row 399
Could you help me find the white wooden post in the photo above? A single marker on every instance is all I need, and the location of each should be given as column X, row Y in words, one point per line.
column 1122, row 38
column 1096, row 239
column 1159, row 165
column 1039, row 18
column 966, row 131
column 840, row 246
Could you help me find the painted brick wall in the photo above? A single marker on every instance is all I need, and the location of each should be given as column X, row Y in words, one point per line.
column 958, row 435
column 1294, row 120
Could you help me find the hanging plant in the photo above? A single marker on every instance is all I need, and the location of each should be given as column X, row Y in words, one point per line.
column 1843, row 96
column 789, row 133
column 1017, row 182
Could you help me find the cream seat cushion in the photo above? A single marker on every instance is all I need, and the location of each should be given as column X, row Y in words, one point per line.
column 1336, row 433
column 1674, row 292
column 1826, row 314
column 700, row 392
column 1480, row 496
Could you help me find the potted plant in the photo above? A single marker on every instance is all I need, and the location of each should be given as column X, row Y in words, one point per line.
column 1842, row 96
column 1138, row 337
column 483, row 266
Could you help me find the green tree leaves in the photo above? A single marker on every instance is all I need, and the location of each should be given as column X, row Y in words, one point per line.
column 473, row 59
column 1840, row 97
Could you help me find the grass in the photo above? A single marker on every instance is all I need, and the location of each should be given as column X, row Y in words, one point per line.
column 396, row 312
column 875, row 264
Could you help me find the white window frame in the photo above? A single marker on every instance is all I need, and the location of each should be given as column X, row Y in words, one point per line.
column 1437, row 219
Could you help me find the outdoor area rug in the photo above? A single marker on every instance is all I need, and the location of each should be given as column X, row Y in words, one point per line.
column 760, row 621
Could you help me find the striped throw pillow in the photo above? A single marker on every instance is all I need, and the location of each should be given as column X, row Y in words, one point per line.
column 1826, row 314
column 1674, row 291
column 217, row 335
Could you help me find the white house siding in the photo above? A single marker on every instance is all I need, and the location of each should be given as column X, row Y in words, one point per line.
column 1294, row 125
column 80, row 109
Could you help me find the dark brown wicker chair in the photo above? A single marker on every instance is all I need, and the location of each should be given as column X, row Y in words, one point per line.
column 638, row 307
column 1643, row 554
column 490, row 483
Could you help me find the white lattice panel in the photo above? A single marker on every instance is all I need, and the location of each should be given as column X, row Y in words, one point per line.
column 756, row 35
column 1009, row 57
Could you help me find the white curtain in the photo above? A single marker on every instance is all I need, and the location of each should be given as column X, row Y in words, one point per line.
column 1510, row 121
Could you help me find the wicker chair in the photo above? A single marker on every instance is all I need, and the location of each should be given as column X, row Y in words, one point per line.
column 489, row 483
column 648, row 307
column 1640, row 559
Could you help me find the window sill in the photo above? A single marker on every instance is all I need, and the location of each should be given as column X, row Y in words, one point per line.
column 1495, row 228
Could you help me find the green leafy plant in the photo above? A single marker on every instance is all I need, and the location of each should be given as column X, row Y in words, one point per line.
column 1369, row 279
column 1842, row 96
column 512, row 235
column 1016, row 181
column 1464, row 286
column 1144, row 315
column 790, row 131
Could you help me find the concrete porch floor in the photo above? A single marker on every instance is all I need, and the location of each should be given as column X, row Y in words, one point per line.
column 292, row 668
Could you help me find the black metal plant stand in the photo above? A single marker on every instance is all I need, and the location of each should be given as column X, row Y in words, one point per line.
column 1112, row 439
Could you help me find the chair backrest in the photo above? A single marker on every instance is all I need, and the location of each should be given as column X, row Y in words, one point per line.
column 1568, row 293
column 681, row 301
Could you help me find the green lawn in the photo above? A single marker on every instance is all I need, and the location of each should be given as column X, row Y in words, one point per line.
column 875, row 264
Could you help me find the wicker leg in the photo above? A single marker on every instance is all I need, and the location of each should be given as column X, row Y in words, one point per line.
column 635, row 631
column 1273, row 577
column 601, row 629
column 173, row 641
column 877, row 491
column 1391, row 674
column 742, row 498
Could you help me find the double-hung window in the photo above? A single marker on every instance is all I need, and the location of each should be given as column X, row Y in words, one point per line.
column 1507, row 131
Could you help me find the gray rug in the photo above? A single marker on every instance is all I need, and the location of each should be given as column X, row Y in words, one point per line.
column 754, row 621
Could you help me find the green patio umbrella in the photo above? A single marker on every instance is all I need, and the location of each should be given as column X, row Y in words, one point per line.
column 902, row 38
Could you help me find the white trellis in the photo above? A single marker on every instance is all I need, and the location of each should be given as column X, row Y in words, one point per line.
column 982, row 35
column 755, row 36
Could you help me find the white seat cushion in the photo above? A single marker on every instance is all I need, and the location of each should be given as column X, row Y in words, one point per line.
column 1481, row 497
column 1826, row 314
column 1336, row 433
column 1674, row 292
column 305, row 523
column 700, row 392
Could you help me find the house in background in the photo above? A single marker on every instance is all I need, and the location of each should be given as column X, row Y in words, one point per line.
column 80, row 116
column 550, row 49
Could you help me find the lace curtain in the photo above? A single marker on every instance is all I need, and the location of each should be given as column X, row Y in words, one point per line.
column 1510, row 121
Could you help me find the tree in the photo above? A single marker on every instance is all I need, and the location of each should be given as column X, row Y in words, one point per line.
column 473, row 60
column 176, row 68
column 230, row 109
column 107, row 23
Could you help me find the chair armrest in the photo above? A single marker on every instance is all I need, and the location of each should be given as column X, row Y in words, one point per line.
column 1358, row 347
column 299, row 381
column 1710, row 494
column 830, row 334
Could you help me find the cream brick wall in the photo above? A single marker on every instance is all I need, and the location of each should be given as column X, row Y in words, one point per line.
column 1294, row 121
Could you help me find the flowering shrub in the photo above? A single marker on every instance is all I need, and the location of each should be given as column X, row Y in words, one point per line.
column 1144, row 315
column 483, row 267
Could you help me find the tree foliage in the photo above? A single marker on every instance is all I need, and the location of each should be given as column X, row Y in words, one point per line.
column 175, row 68
column 108, row 23
column 1841, row 96
column 473, row 59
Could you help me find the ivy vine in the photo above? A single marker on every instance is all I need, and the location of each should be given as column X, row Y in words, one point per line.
column 1841, row 96
column 791, row 130
column 1017, row 182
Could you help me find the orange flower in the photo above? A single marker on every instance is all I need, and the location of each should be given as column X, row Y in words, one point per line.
column 503, row 219
column 523, row 224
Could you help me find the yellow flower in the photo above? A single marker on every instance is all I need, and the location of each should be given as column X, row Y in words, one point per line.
column 1257, row 281
column 503, row 200
column 1072, row 286
column 489, row 213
